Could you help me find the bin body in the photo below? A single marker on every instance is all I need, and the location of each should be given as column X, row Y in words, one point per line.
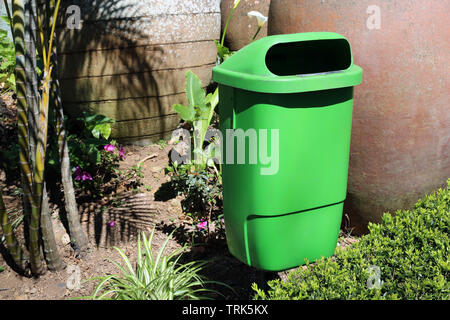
column 280, row 212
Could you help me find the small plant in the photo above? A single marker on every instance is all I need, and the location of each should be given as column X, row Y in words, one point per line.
column 202, row 193
column 198, row 114
column 199, row 182
column 154, row 278
column 162, row 144
column 94, row 156
column 223, row 52
column 404, row 257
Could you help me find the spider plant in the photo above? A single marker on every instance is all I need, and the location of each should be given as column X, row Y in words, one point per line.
column 154, row 278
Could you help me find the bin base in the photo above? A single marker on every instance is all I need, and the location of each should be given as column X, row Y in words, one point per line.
column 282, row 242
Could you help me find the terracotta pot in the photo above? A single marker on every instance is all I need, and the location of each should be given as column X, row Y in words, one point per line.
column 241, row 29
column 129, row 58
column 401, row 127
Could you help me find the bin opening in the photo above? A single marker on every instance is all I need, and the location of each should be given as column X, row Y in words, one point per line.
column 309, row 57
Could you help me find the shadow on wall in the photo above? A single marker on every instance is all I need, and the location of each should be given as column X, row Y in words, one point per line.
column 126, row 59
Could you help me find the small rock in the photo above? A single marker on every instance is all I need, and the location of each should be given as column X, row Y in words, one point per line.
column 31, row 290
column 156, row 169
column 21, row 298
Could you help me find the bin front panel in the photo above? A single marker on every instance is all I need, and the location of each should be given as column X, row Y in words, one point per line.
column 313, row 149
column 283, row 242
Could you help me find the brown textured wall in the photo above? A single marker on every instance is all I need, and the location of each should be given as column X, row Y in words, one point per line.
column 400, row 146
column 128, row 61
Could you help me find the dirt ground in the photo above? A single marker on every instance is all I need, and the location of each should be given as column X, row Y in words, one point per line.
column 131, row 213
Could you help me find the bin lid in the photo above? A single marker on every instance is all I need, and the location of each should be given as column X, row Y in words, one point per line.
column 291, row 63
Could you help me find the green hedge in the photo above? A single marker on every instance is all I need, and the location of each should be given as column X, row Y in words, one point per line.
column 410, row 248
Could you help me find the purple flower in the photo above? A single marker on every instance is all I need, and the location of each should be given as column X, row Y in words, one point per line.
column 111, row 224
column 78, row 173
column 109, row 147
column 121, row 153
column 202, row 225
column 82, row 175
column 86, row 176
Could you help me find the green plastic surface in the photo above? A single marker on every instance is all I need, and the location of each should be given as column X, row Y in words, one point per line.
column 247, row 69
column 276, row 221
column 283, row 242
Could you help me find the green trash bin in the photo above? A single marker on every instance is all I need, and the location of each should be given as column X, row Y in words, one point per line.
column 285, row 114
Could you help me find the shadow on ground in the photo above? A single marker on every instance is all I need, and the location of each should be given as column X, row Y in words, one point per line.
column 221, row 266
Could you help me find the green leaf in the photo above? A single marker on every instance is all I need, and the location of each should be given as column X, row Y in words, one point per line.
column 2, row 269
column 92, row 120
column 11, row 81
column 226, row 56
column 186, row 113
column 104, row 129
column 222, row 51
column 194, row 90
column 95, row 132
column 212, row 100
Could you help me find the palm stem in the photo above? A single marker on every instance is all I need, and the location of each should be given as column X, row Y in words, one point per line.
column 35, row 136
column 11, row 241
column 51, row 255
column 22, row 107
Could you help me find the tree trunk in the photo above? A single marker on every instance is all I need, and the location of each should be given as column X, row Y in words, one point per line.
column 54, row 261
column 77, row 236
